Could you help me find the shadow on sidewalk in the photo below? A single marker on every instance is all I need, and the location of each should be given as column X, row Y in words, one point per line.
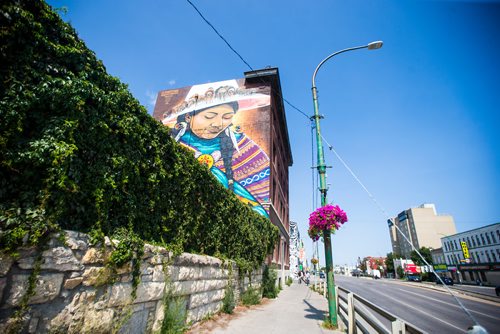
column 313, row 312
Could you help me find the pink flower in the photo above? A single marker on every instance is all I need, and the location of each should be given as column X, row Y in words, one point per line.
column 328, row 217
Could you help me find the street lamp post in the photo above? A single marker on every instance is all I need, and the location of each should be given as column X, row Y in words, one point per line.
column 322, row 182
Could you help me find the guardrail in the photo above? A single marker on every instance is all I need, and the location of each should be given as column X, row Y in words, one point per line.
column 358, row 315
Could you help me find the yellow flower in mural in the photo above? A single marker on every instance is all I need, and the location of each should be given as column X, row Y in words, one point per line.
column 206, row 159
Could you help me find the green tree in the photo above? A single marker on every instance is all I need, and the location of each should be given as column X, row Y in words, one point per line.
column 389, row 261
column 400, row 272
column 426, row 253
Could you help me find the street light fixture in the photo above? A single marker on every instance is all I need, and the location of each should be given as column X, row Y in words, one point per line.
column 332, row 307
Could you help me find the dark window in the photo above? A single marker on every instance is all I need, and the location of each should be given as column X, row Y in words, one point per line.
column 493, row 256
column 493, row 238
column 477, row 239
column 482, row 239
column 488, row 238
column 473, row 242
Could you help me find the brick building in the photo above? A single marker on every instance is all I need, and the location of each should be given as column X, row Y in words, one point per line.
column 238, row 129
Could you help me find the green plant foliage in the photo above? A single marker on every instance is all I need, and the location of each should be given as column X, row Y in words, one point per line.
column 251, row 297
column 174, row 318
column 289, row 281
column 228, row 303
column 269, row 288
column 79, row 152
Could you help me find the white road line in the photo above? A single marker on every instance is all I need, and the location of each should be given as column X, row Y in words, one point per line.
column 450, row 304
column 427, row 314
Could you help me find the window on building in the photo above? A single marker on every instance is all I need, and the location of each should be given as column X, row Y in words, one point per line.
column 498, row 234
column 482, row 239
column 488, row 238
column 455, row 244
column 471, row 276
column 488, row 256
column 477, row 239
column 445, row 247
column 468, row 242
column 473, row 242
column 494, row 257
column 493, row 238
column 449, row 260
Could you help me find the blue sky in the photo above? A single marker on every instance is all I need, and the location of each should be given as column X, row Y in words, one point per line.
column 416, row 120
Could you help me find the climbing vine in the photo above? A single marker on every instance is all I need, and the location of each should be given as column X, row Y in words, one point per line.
column 79, row 152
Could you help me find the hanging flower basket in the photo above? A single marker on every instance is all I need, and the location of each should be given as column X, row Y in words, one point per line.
column 314, row 261
column 329, row 217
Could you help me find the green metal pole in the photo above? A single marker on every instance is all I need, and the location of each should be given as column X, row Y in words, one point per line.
column 332, row 314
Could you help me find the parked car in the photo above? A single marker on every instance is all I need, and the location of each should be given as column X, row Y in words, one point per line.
column 446, row 280
column 414, row 278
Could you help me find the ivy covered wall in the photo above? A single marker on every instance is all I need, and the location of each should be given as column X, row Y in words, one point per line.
column 78, row 152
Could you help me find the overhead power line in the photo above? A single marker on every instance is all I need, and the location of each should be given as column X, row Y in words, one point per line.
column 237, row 53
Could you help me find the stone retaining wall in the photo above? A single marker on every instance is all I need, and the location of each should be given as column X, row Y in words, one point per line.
column 77, row 293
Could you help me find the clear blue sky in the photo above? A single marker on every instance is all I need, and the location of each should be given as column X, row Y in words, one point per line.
column 417, row 120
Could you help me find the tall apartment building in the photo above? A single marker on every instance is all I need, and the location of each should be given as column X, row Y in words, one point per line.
column 422, row 226
column 238, row 129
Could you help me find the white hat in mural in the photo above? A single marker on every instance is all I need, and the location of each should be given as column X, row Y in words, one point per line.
column 213, row 94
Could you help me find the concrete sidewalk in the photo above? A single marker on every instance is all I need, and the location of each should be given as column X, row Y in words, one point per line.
column 297, row 310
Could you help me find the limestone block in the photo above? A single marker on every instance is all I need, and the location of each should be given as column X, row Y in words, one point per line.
column 136, row 324
column 146, row 278
column 186, row 259
column 181, row 288
column 93, row 256
column 190, row 273
column 5, row 264
column 98, row 321
column 149, row 291
column 158, row 317
column 72, row 283
column 197, row 314
column 120, row 294
column 47, row 288
column 33, row 325
column 146, row 269
column 76, row 240
column 60, row 259
column 96, row 276
column 125, row 269
column 203, row 298
column 215, row 284
column 158, row 274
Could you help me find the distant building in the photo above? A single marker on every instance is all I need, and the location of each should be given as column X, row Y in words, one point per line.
column 474, row 256
column 422, row 226
column 374, row 264
column 294, row 249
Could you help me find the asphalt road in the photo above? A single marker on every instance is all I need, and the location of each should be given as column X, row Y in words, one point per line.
column 430, row 310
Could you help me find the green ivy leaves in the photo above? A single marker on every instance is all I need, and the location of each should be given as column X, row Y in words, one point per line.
column 79, row 151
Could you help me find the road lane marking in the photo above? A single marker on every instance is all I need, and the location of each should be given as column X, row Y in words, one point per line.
column 450, row 304
column 419, row 310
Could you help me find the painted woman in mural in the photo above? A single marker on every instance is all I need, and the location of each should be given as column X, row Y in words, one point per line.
column 204, row 123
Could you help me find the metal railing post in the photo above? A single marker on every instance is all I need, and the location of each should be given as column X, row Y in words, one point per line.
column 397, row 327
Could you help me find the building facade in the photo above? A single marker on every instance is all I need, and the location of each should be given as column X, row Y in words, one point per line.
column 238, row 129
column 422, row 226
column 474, row 256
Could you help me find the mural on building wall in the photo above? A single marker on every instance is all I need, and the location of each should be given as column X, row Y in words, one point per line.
column 213, row 120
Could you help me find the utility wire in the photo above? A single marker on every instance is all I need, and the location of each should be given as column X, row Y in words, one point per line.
column 389, row 219
column 238, row 54
column 218, row 34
